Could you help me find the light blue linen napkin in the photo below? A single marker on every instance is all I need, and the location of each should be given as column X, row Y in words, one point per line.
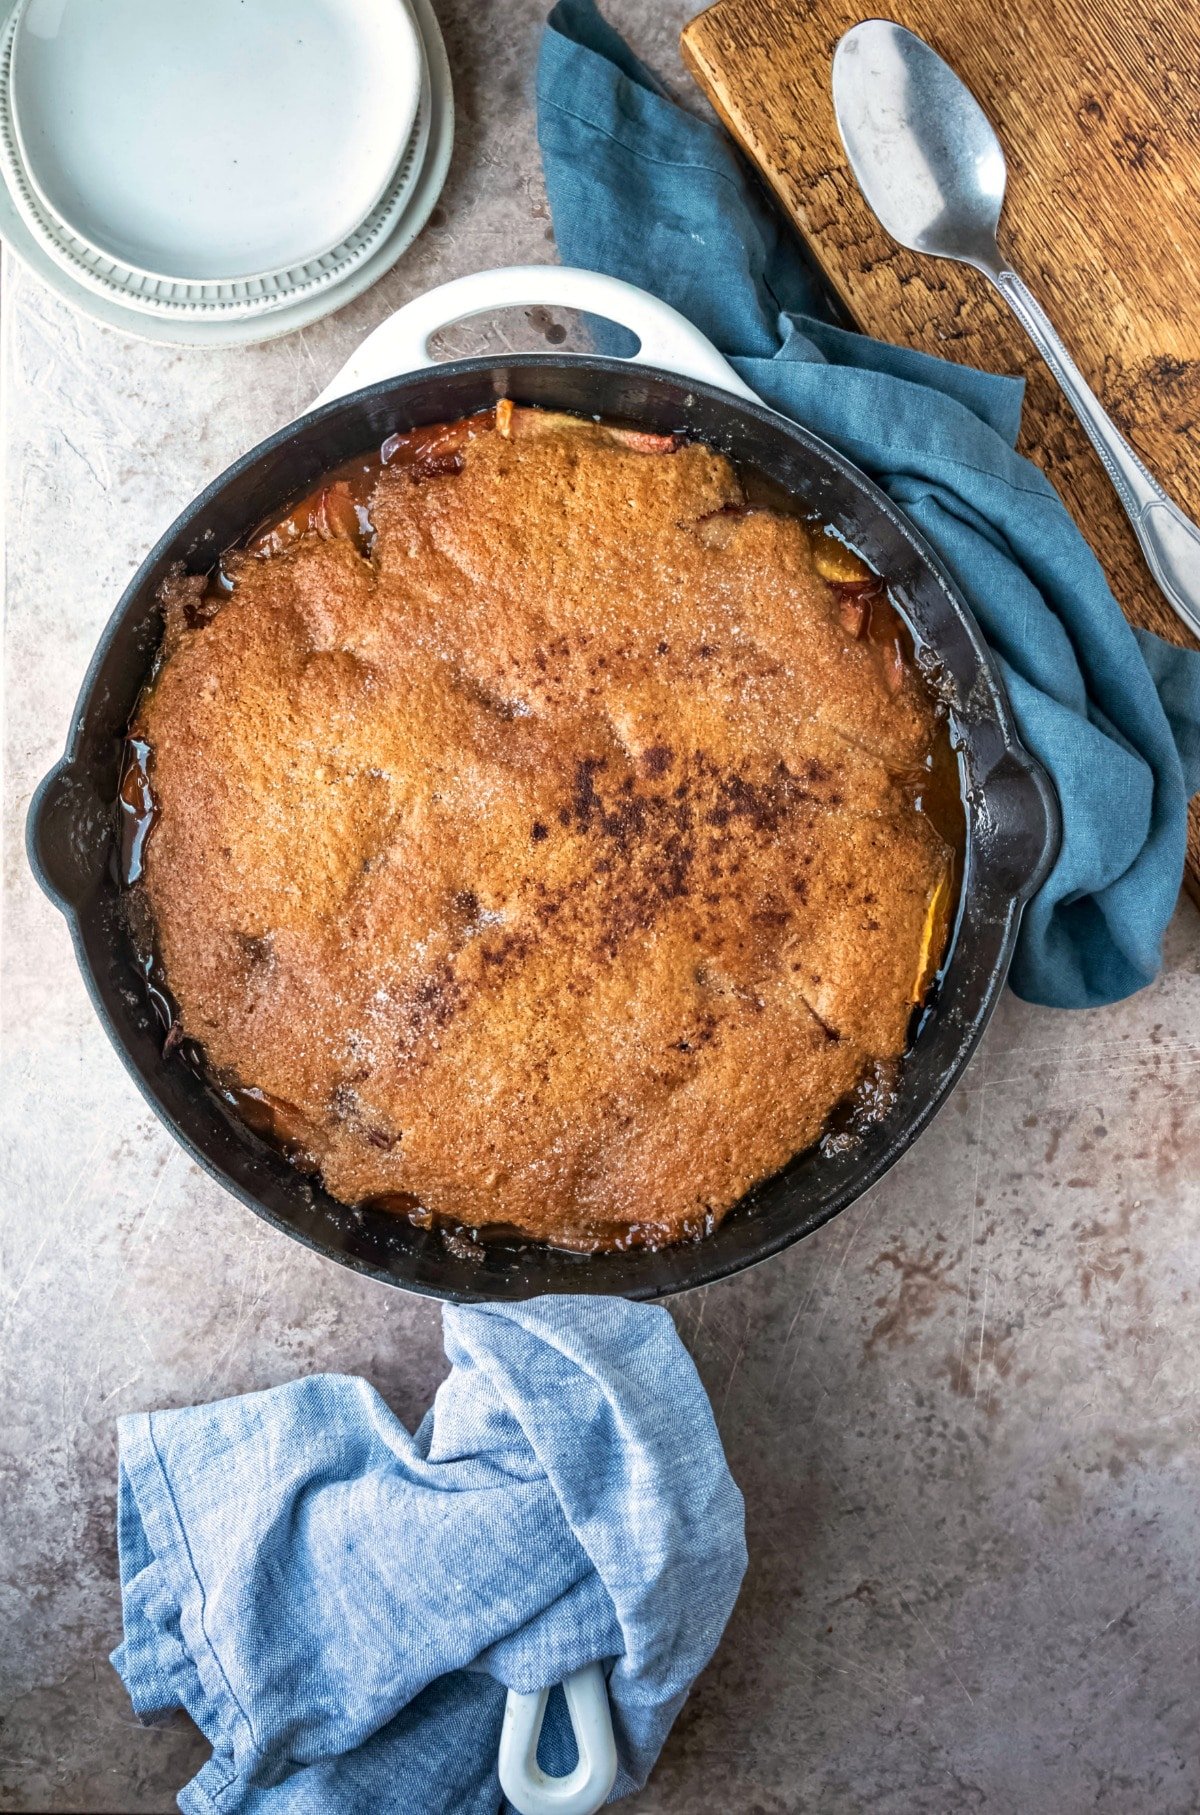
column 340, row 1606
column 644, row 191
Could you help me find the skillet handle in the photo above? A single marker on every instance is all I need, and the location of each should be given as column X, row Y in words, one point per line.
column 587, row 1787
column 668, row 340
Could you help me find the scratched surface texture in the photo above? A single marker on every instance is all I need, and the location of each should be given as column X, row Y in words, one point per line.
column 964, row 1416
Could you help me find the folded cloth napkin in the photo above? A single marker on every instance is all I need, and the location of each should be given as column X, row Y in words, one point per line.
column 340, row 1606
column 642, row 190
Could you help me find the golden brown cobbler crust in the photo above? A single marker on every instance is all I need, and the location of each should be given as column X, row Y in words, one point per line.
column 558, row 865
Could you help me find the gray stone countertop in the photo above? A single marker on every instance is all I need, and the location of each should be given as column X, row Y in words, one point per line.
column 963, row 1415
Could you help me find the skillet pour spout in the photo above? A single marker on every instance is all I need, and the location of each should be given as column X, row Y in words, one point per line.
column 677, row 384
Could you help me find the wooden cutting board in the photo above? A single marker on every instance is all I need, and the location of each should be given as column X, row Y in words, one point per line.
column 1096, row 107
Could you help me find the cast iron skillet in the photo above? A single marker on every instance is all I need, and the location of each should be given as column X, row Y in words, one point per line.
column 1012, row 813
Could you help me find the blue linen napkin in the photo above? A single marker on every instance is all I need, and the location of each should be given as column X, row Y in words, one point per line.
column 340, row 1606
column 641, row 190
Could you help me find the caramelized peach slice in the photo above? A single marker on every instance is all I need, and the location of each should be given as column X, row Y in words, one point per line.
column 275, row 1120
column 329, row 512
column 335, row 514
column 894, row 665
column 854, row 610
column 423, row 446
column 934, row 935
column 641, row 441
column 520, row 422
column 839, row 564
column 281, row 535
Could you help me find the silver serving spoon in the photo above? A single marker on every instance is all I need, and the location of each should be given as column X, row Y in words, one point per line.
column 932, row 169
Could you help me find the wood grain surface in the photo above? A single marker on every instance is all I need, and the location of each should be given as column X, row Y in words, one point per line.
column 1098, row 109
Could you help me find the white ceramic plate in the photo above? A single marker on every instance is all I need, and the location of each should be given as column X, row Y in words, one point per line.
column 241, row 331
column 213, row 140
column 202, row 302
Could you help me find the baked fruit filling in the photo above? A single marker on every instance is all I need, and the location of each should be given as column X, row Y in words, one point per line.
column 537, row 834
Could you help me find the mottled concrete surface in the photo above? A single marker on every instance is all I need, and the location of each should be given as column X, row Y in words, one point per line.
column 964, row 1415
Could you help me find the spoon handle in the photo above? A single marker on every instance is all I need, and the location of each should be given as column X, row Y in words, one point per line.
column 1170, row 541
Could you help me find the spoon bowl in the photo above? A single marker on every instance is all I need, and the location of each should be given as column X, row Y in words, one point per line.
column 920, row 145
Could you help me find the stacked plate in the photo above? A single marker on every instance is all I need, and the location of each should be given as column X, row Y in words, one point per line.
column 219, row 173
